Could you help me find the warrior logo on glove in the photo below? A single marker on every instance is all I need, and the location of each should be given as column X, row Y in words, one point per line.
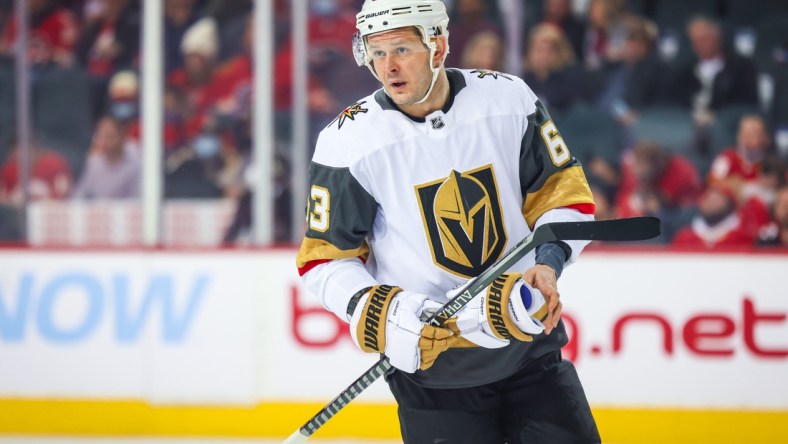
column 463, row 220
column 387, row 320
column 371, row 330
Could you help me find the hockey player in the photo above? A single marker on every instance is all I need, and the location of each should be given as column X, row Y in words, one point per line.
column 422, row 185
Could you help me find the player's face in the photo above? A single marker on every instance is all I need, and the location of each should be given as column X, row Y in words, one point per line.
column 401, row 61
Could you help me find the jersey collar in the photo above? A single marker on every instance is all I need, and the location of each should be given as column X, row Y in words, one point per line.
column 456, row 84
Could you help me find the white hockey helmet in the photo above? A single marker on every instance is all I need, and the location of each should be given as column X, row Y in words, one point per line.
column 428, row 16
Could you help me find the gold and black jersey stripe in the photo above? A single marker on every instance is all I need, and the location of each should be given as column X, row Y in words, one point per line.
column 339, row 216
column 550, row 177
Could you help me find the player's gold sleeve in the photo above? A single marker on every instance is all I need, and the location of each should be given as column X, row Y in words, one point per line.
column 319, row 250
column 566, row 188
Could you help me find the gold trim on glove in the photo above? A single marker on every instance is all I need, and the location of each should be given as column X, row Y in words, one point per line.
column 436, row 340
column 498, row 308
column 371, row 328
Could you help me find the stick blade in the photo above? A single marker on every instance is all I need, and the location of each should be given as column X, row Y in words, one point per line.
column 627, row 229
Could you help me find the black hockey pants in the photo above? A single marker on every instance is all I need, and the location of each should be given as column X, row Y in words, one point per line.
column 543, row 403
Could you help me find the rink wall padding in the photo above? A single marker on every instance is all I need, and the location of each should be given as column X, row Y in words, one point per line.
column 679, row 346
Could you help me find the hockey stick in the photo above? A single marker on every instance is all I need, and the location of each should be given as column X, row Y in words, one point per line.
column 632, row 229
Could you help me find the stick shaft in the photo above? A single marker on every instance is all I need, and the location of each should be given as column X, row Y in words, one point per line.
column 332, row 408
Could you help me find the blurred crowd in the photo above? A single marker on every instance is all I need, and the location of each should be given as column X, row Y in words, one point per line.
column 676, row 108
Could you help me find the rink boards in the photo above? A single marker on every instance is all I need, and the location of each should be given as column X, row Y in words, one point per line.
column 679, row 346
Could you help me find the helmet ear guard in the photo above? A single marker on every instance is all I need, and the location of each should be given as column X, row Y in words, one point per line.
column 360, row 50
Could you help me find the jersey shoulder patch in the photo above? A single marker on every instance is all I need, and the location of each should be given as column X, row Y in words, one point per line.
column 489, row 73
column 357, row 130
column 495, row 93
column 349, row 113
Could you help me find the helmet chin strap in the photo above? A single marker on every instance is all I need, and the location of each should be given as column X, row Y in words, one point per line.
column 435, row 72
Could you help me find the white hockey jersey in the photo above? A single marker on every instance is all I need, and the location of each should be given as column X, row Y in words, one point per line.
column 426, row 203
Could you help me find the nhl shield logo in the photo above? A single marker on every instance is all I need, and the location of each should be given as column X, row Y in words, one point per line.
column 437, row 123
column 463, row 220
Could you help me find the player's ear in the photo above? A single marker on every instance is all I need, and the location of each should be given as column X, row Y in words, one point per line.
column 442, row 48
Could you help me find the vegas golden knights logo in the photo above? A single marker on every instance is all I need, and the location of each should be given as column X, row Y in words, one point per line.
column 463, row 220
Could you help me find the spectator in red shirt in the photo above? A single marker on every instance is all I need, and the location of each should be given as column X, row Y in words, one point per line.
column 717, row 224
column 50, row 176
column 331, row 23
column 196, row 80
column 110, row 40
column 745, row 170
column 738, row 165
column 53, row 34
column 235, row 77
column 653, row 177
column 756, row 197
column 334, row 78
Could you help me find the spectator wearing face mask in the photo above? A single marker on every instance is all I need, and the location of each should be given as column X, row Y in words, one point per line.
column 717, row 224
column 123, row 106
column 123, row 96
